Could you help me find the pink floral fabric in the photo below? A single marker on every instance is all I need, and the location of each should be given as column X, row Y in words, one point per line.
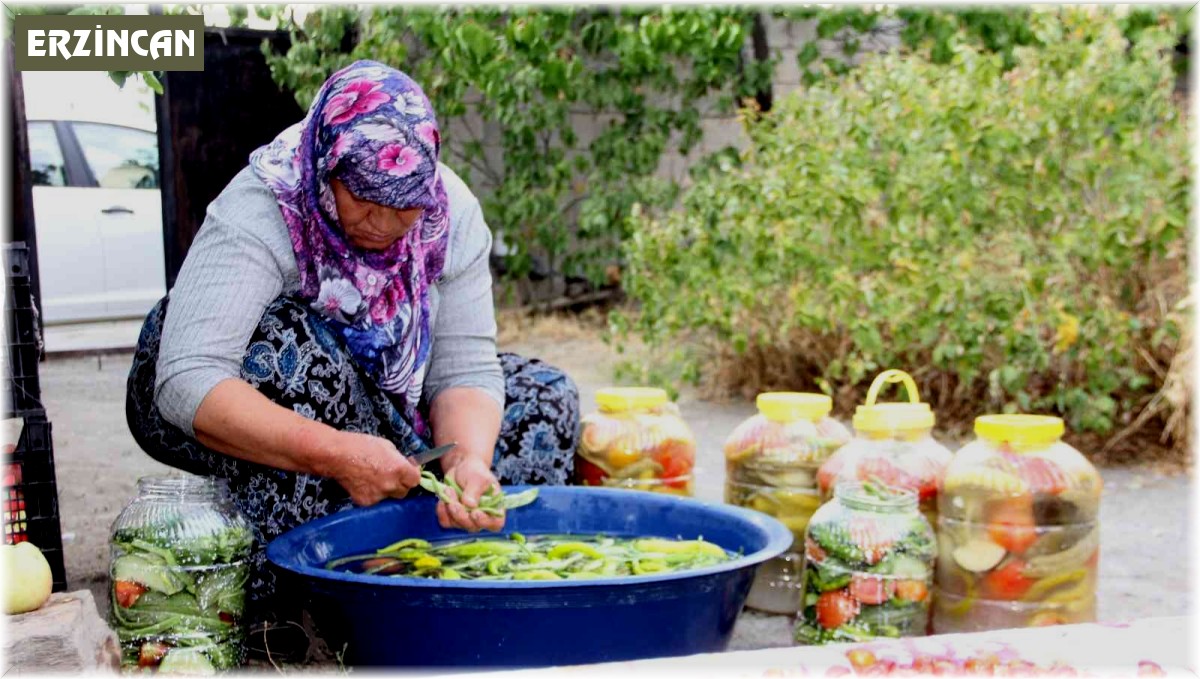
column 372, row 128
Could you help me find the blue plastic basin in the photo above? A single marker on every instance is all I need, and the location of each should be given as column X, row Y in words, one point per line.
column 412, row 622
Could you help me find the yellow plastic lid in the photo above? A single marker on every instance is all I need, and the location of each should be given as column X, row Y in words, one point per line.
column 885, row 417
column 1020, row 430
column 789, row 406
column 621, row 399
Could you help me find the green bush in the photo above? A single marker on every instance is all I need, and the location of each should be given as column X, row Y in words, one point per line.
column 1016, row 239
column 532, row 72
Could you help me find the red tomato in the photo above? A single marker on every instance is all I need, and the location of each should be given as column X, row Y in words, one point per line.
column 882, row 470
column 871, row 590
column 677, row 466
column 813, row 550
column 945, row 667
column 588, row 474
column 923, row 664
column 151, row 654
column 1007, row 583
column 835, row 609
column 881, row 668
column 984, row 664
column 127, row 592
column 1011, row 524
column 911, row 590
column 865, row 534
column 1042, row 475
column 860, row 658
column 827, row 474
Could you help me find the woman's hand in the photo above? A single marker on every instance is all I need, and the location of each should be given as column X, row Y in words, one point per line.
column 475, row 478
column 371, row 469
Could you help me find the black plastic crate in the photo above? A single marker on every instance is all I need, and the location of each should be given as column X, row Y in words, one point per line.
column 24, row 345
column 31, row 494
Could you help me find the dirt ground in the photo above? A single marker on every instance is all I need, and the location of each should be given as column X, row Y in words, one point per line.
column 1145, row 536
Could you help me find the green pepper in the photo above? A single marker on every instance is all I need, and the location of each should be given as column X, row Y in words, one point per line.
column 567, row 548
column 409, row 543
column 1041, row 587
column 648, row 566
column 537, row 575
column 678, row 547
column 968, row 599
column 470, row 549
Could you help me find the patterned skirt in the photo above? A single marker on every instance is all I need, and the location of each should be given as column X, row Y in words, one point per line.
column 297, row 361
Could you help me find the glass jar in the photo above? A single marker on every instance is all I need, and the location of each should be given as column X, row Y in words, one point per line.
column 869, row 559
column 1019, row 539
column 637, row 439
column 771, row 462
column 893, row 444
column 180, row 559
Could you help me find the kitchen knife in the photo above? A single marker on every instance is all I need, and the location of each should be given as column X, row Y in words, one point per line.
column 422, row 459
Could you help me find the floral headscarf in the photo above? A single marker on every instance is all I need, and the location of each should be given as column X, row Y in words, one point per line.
column 372, row 128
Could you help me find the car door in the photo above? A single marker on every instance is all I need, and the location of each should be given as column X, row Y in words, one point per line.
column 69, row 250
column 125, row 203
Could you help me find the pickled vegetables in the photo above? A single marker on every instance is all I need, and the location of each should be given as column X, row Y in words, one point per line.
column 868, row 567
column 636, row 440
column 1018, row 535
column 892, row 446
column 542, row 557
column 771, row 460
column 177, row 602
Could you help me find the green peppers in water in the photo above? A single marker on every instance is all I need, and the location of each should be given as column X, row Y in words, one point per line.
column 545, row 557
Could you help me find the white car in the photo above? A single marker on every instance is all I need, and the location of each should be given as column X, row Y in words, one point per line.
column 98, row 218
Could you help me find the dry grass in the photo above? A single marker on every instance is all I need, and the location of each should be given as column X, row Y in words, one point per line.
column 517, row 325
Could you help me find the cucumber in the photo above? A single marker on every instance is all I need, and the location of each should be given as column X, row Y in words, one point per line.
column 978, row 556
column 186, row 661
column 903, row 566
column 152, row 575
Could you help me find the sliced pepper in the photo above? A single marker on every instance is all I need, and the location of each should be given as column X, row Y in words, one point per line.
column 537, row 575
column 1041, row 587
column 568, row 548
column 408, row 543
column 678, row 547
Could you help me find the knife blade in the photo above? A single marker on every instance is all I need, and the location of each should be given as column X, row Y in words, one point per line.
column 422, row 459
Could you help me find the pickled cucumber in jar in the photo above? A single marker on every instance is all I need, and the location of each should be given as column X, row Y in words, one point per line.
column 869, row 560
column 771, row 463
column 1019, row 534
column 893, row 445
column 636, row 439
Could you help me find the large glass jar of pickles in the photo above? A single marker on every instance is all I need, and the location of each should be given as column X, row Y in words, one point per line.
column 637, row 439
column 180, row 560
column 1019, row 539
column 869, row 557
column 893, row 445
column 771, row 463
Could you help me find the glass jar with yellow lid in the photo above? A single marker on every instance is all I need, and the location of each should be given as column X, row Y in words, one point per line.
column 636, row 439
column 893, row 445
column 771, row 463
column 1019, row 534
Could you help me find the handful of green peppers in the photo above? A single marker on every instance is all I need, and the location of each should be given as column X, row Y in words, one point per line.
column 493, row 502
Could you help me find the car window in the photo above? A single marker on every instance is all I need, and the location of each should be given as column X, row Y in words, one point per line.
column 45, row 155
column 120, row 157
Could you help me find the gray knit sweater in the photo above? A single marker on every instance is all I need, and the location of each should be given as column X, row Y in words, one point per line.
column 242, row 259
